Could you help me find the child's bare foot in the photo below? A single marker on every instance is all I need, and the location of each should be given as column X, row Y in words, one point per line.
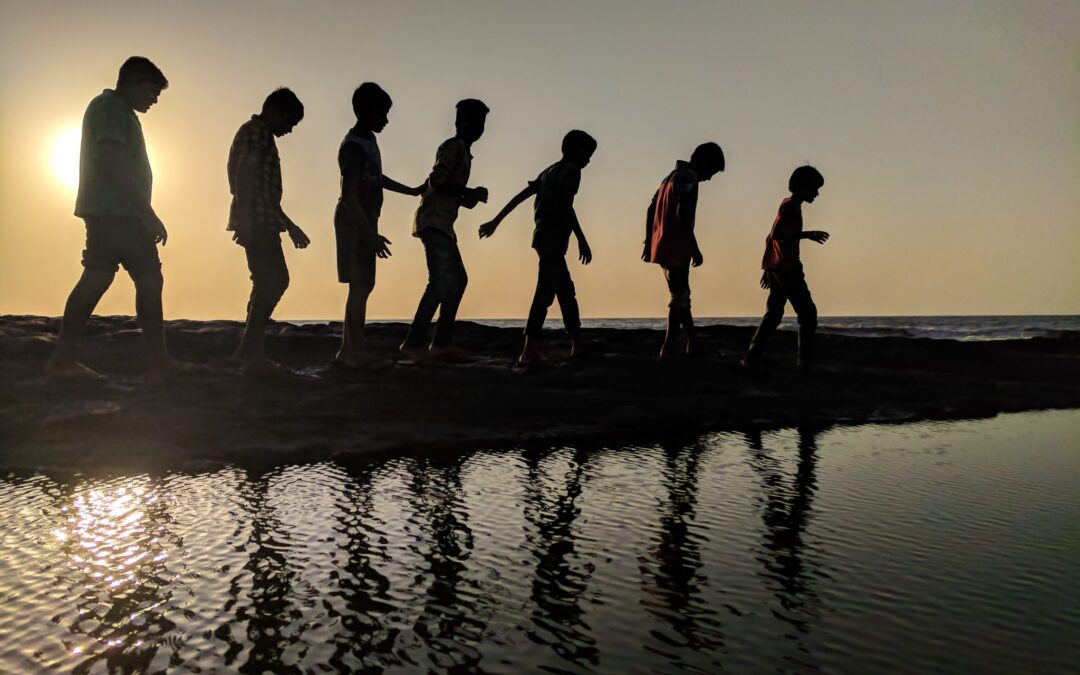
column 580, row 347
column 413, row 352
column 530, row 357
column 667, row 353
column 71, row 369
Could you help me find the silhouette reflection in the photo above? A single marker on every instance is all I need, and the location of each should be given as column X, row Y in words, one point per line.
column 270, row 611
column 786, row 511
column 561, row 578
column 673, row 576
column 366, row 641
column 451, row 624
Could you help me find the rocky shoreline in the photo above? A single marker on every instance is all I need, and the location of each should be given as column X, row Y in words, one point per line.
column 220, row 415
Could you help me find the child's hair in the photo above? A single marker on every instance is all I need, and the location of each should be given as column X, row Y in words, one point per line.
column 370, row 96
column 141, row 69
column 286, row 102
column 805, row 177
column 470, row 108
column 576, row 139
column 708, row 154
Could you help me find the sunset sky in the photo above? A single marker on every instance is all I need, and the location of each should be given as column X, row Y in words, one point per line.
column 948, row 133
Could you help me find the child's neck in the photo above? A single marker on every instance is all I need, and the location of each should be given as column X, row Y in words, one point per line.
column 468, row 143
column 797, row 199
column 363, row 130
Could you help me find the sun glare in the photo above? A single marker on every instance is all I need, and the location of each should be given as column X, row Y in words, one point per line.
column 65, row 157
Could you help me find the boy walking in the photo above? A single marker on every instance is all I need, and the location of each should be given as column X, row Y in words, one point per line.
column 555, row 218
column 121, row 227
column 356, row 218
column 257, row 220
column 783, row 272
column 446, row 190
column 670, row 241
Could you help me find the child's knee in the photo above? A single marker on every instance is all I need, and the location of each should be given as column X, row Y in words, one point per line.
column 680, row 299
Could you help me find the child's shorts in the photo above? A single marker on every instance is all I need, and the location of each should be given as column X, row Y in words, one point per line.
column 114, row 241
column 678, row 283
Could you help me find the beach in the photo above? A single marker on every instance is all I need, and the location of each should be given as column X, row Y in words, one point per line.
column 218, row 415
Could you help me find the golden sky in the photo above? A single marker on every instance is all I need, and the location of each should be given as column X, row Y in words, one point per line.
column 947, row 132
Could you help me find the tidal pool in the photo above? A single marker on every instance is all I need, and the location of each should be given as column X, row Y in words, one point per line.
column 924, row 547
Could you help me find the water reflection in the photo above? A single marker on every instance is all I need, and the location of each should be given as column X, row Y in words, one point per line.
column 674, row 575
column 699, row 556
column 451, row 624
column 115, row 540
column 365, row 637
column 560, row 575
column 785, row 504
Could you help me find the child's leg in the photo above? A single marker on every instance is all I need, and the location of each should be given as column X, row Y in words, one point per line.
column 269, row 280
column 353, row 345
column 774, row 312
column 568, row 305
column 806, row 310
column 546, row 279
column 437, row 255
column 456, row 281
column 80, row 305
column 678, row 282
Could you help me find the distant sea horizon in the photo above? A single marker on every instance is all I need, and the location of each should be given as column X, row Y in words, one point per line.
column 973, row 328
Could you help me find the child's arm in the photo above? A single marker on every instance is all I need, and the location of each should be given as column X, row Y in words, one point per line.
column 687, row 214
column 819, row 236
column 449, row 155
column 584, row 252
column 392, row 185
column 350, row 196
column 488, row 228
column 649, row 215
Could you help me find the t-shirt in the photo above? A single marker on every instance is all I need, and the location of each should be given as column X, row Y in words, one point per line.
column 782, row 244
column 110, row 118
column 361, row 156
column 553, row 209
column 670, row 230
column 441, row 199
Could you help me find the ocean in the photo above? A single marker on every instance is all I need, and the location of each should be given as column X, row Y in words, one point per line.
column 964, row 328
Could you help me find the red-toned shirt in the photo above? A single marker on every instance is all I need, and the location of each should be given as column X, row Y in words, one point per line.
column 669, row 230
column 782, row 244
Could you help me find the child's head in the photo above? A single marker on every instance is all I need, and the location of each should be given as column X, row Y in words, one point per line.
column 371, row 105
column 470, row 119
column 707, row 160
column 578, row 147
column 141, row 82
column 805, row 183
column 282, row 111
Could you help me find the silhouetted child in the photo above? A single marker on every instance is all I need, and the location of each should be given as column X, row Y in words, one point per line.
column 121, row 227
column 670, row 241
column 783, row 271
column 256, row 219
column 446, row 190
column 356, row 218
column 553, row 212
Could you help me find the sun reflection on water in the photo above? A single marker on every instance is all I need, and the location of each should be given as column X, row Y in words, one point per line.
column 117, row 545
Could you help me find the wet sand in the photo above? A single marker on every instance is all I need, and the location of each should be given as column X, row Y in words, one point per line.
column 219, row 415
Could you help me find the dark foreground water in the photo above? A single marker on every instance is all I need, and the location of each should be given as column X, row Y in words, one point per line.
column 933, row 547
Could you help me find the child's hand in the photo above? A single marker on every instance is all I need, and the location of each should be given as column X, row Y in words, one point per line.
column 817, row 235
column 765, row 280
column 480, row 194
column 299, row 239
column 419, row 189
column 382, row 246
column 584, row 252
column 156, row 228
column 645, row 253
column 696, row 259
column 488, row 229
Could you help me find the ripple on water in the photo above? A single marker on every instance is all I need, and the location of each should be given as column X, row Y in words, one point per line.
column 953, row 544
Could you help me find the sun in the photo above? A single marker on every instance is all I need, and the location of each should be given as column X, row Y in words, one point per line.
column 65, row 157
